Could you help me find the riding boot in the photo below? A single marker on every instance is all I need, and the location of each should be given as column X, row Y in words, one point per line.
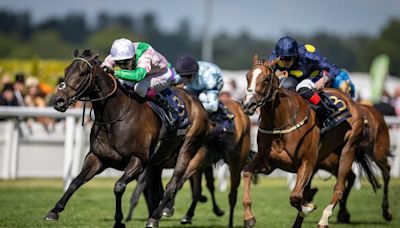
column 324, row 113
column 170, row 113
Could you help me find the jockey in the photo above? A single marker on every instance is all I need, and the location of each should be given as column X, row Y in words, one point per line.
column 144, row 69
column 308, row 70
column 202, row 78
column 344, row 83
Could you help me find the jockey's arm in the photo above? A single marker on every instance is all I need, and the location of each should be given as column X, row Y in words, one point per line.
column 131, row 75
column 209, row 99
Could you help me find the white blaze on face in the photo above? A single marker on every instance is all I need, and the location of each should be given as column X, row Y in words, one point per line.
column 252, row 86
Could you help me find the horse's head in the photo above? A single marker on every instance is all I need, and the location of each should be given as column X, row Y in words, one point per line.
column 77, row 80
column 261, row 85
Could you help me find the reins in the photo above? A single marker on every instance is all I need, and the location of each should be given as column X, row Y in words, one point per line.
column 270, row 97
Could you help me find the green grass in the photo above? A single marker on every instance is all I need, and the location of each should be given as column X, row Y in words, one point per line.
column 24, row 203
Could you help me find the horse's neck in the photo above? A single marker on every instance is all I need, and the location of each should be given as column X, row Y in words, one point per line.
column 280, row 111
column 112, row 106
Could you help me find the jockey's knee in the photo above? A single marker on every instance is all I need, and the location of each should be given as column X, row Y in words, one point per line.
column 141, row 89
column 305, row 88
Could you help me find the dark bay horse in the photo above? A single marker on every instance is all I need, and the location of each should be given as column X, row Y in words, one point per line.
column 234, row 149
column 125, row 134
column 375, row 144
column 289, row 138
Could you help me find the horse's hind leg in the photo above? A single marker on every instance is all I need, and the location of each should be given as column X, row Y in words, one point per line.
column 132, row 170
column 91, row 166
column 344, row 215
column 385, row 169
column 345, row 162
column 208, row 173
column 186, row 153
column 140, row 186
column 235, row 169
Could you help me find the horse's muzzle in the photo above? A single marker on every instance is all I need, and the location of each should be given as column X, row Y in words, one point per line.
column 249, row 108
column 60, row 104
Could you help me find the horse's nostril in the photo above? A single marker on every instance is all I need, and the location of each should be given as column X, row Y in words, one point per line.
column 60, row 100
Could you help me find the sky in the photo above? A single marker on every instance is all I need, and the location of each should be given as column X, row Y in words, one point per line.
column 261, row 18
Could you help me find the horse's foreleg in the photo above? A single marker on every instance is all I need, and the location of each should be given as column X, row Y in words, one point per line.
column 304, row 175
column 345, row 162
column 208, row 173
column 140, row 186
column 132, row 170
column 249, row 219
column 91, row 166
column 234, row 168
column 196, row 193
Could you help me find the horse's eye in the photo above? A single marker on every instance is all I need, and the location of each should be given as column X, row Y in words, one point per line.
column 61, row 86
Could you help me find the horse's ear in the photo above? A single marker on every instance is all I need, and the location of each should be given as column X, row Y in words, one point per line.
column 255, row 59
column 273, row 62
column 76, row 53
column 95, row 56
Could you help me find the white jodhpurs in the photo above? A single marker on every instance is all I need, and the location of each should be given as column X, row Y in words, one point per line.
column 158, row 82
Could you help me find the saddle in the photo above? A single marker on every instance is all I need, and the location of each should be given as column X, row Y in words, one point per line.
column 337, row 111
column 176, row 103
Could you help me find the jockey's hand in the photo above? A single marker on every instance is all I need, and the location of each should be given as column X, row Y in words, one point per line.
column 108, row 70
column 321, row 82
column 108, row 62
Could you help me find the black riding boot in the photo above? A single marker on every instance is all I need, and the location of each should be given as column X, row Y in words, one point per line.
column 324, row 113
column 171, row 113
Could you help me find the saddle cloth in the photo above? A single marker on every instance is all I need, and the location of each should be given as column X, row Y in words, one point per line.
column 339, row 111
column 175, row 102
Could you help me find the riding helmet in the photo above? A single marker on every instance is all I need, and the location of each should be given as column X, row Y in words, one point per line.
column 122, row 49
column 186, row 65
column 287, row 47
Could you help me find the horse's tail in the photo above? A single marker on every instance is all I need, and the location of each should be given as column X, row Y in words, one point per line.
column 218, row 144
column 255, row 177
column 366, row 166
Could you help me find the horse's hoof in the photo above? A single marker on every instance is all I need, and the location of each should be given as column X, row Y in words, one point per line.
column 323, row 226
column 388, row 216
column 119, row 225
column 51, row 216
column 128, row 219
column 186, row 220
column 249, row 223
column 168, row 212
column 203, row 199
column 343, row 217
column 218, row 212
column 152, row 223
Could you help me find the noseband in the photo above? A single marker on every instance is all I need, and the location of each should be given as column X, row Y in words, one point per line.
column 84, row 86
column 270, row 92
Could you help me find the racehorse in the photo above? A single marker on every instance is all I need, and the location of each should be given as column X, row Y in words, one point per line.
column 289, row 137
column 125, row 134
column 234, row 149
column 375, row 144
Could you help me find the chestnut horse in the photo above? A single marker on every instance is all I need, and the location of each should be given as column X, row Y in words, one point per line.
column 376, row 145
column 289, row 138
column 126, row 132
column 234, row 149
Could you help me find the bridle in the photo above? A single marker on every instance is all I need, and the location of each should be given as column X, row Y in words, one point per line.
column 82, row 89
column 272, row 90
column 84, row 86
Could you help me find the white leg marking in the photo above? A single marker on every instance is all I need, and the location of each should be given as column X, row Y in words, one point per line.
column 325, row 215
